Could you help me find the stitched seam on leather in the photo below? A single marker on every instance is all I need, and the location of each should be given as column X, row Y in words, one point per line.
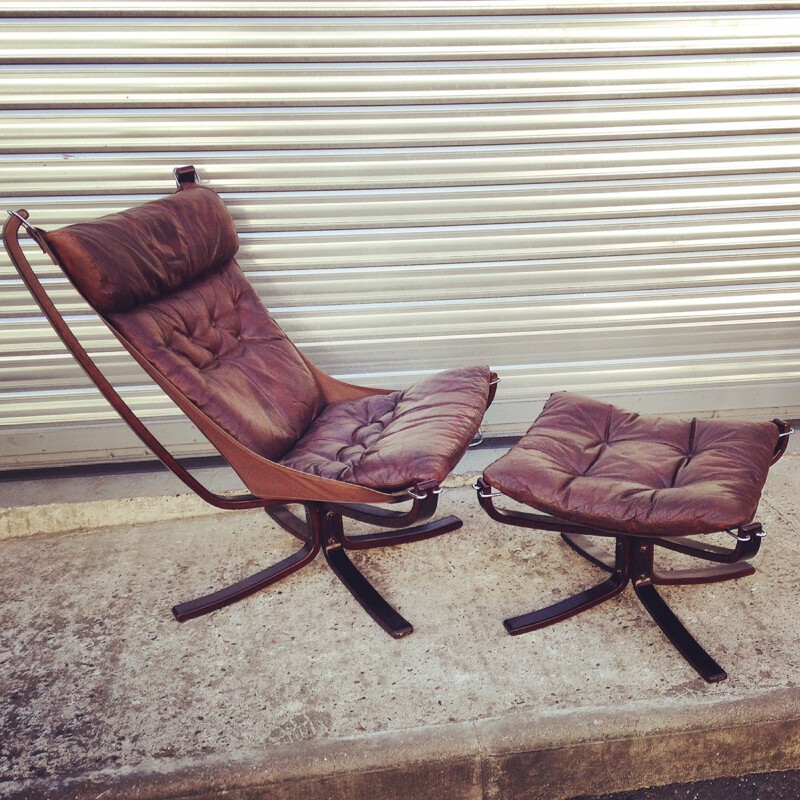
column 99, row 271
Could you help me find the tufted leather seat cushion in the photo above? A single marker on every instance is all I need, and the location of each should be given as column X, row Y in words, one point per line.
column 396, row 440
column 592, row 463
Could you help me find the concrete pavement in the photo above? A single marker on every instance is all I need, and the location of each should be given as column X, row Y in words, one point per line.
column 295, row 692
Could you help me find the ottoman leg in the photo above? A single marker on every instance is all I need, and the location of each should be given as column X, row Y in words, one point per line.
column 671, row 626
column 578, row 602
column 584, row 546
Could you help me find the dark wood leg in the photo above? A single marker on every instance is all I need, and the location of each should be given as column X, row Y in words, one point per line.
column 400, row 523
column 589, row 550
column 414, row 534
column 566, row 608
column 683, row 577
column 748, row 542
column 363, row 591
column 578, row 602
column 725, row 570
column 633, row 561
column 290, row 522
column 248, row 586
column 322, row 529
column 665, row 618
column 682, row 640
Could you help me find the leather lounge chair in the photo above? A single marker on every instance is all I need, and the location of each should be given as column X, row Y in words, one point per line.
column 164, row 278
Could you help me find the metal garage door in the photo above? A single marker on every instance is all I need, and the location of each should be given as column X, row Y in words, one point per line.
column 601, row 198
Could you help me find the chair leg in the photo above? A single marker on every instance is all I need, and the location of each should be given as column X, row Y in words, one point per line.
column 363, row 591
column 290, row 522
column 578, row 602
column 674, row 577
column 322, row 529
column 415, row 534
column 684, row 577
column 248, row 586
column 585, row 547
column 682, row 640
column 634, row 561
column 399, row 522
column 748, row 542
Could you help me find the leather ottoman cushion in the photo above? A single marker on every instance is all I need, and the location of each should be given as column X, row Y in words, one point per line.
column 394, row 441
column 595, row 464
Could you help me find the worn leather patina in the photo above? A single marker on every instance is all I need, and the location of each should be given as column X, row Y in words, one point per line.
column 165, row 279
column 398, row 439
column 123, row 260
column 595, row 464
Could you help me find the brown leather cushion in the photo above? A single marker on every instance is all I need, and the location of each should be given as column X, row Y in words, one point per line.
column 595, row 464
column 126, row 259
column 215, row 341
column 165, row 277
column 396, row 440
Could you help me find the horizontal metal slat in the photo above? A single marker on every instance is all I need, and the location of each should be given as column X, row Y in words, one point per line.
column 356, row 39
column 27, row 178
column 291, row 128
column 369, row 209
column 514, row 242
column 361, row 8
column 151, row 86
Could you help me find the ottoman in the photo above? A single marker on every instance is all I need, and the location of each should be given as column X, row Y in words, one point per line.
column 588, row 468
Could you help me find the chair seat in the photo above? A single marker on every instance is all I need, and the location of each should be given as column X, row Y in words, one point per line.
column 394, row 441
column 590, row 462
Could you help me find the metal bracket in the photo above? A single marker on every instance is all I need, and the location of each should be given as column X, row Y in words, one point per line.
column 756, row 530
column 23, row 221
column 420, row 493
column 185, row 176
column 477, row 440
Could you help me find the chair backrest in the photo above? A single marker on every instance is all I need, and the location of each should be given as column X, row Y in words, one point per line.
column 165, row 278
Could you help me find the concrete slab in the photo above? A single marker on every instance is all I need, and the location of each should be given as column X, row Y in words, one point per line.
column 295, row 692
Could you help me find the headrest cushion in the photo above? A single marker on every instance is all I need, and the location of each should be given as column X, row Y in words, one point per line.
column 123, row 260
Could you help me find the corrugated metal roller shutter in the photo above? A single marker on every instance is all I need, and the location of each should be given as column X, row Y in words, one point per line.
column 600, row 197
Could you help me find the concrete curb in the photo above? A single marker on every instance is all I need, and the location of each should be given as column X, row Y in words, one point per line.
column 522, row 756
column 71, row 517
